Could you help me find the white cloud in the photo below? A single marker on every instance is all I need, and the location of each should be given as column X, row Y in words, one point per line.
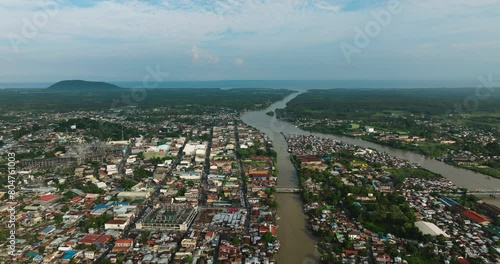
column 130, row 32
column 202, row 56
column 239, row 61
column 195, row 54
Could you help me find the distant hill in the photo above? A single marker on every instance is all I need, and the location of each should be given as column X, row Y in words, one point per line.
column 78, row 85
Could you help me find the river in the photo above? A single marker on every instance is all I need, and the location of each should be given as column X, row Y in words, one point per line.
column 297, row 244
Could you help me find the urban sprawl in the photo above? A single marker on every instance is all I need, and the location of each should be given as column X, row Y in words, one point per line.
column 102, row 187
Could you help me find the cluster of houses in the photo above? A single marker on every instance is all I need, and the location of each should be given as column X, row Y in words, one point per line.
column 450, row 135
column 466, row 228
column 132, row 200
column 436, row 211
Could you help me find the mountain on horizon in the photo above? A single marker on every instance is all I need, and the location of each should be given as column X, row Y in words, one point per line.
column 78, row 85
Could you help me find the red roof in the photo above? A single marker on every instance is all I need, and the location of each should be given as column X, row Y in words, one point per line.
column 475, row 216
column 71, row 230
column 118, row 249
column 89, row 239
column 350, row 252
column 47, row 197
column 103, row 239
column 76, row 199
column 124, row 241
column 116, row 222
column 272, row 229
column 94, row 238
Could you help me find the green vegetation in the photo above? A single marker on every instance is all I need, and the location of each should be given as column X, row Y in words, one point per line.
column 432, row 122
column 254, row 150
column 98, row 129
column 87, row 187
column 127, row 184
column 82, row 85
column 95, row 222
column 180, row 100
column 399, row 175
column 495, row 172
column 380, row 104
column 141, row 173
column 17, row 134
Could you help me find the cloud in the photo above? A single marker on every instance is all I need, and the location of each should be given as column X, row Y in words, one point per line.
column 239, row 61
column 293, row 38
column 201, row 56
column 321, row 4
column 195, row 54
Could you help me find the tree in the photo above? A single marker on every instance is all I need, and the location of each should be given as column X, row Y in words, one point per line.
column 181, row 191
column 145, row 236
column 41, row 250
column 268, row 237
column 236, row 240
column 58, row 218
column 188, row 259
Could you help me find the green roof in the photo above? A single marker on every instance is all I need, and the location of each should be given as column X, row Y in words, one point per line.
column 495, row 230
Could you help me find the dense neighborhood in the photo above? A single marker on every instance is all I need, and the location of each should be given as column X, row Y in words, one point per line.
column 192, row 189
column 368, row 207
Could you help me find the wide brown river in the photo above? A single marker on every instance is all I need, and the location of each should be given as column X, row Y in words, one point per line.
column 297, row 244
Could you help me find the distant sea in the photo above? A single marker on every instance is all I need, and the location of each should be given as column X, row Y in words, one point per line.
column 285, row 84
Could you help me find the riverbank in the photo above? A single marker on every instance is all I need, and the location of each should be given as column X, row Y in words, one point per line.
column 297, row 245
column 354, row 205
column 487, row 171
column 300, row 247
column 423, row 121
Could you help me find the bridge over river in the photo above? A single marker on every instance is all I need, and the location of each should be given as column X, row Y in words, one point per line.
column 288, row 190
column 485, row 193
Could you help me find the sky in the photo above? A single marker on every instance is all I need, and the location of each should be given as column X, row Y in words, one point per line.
column 52, row 40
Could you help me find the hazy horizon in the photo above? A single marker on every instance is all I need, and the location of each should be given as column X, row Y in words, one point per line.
column 278, row 84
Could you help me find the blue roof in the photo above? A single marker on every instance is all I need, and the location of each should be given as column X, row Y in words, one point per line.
column 48, row 229
column 166, row 147
column 448, row 201
column 100, row 206
column 69, row 254
column 113, row 203
column 31, row 254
